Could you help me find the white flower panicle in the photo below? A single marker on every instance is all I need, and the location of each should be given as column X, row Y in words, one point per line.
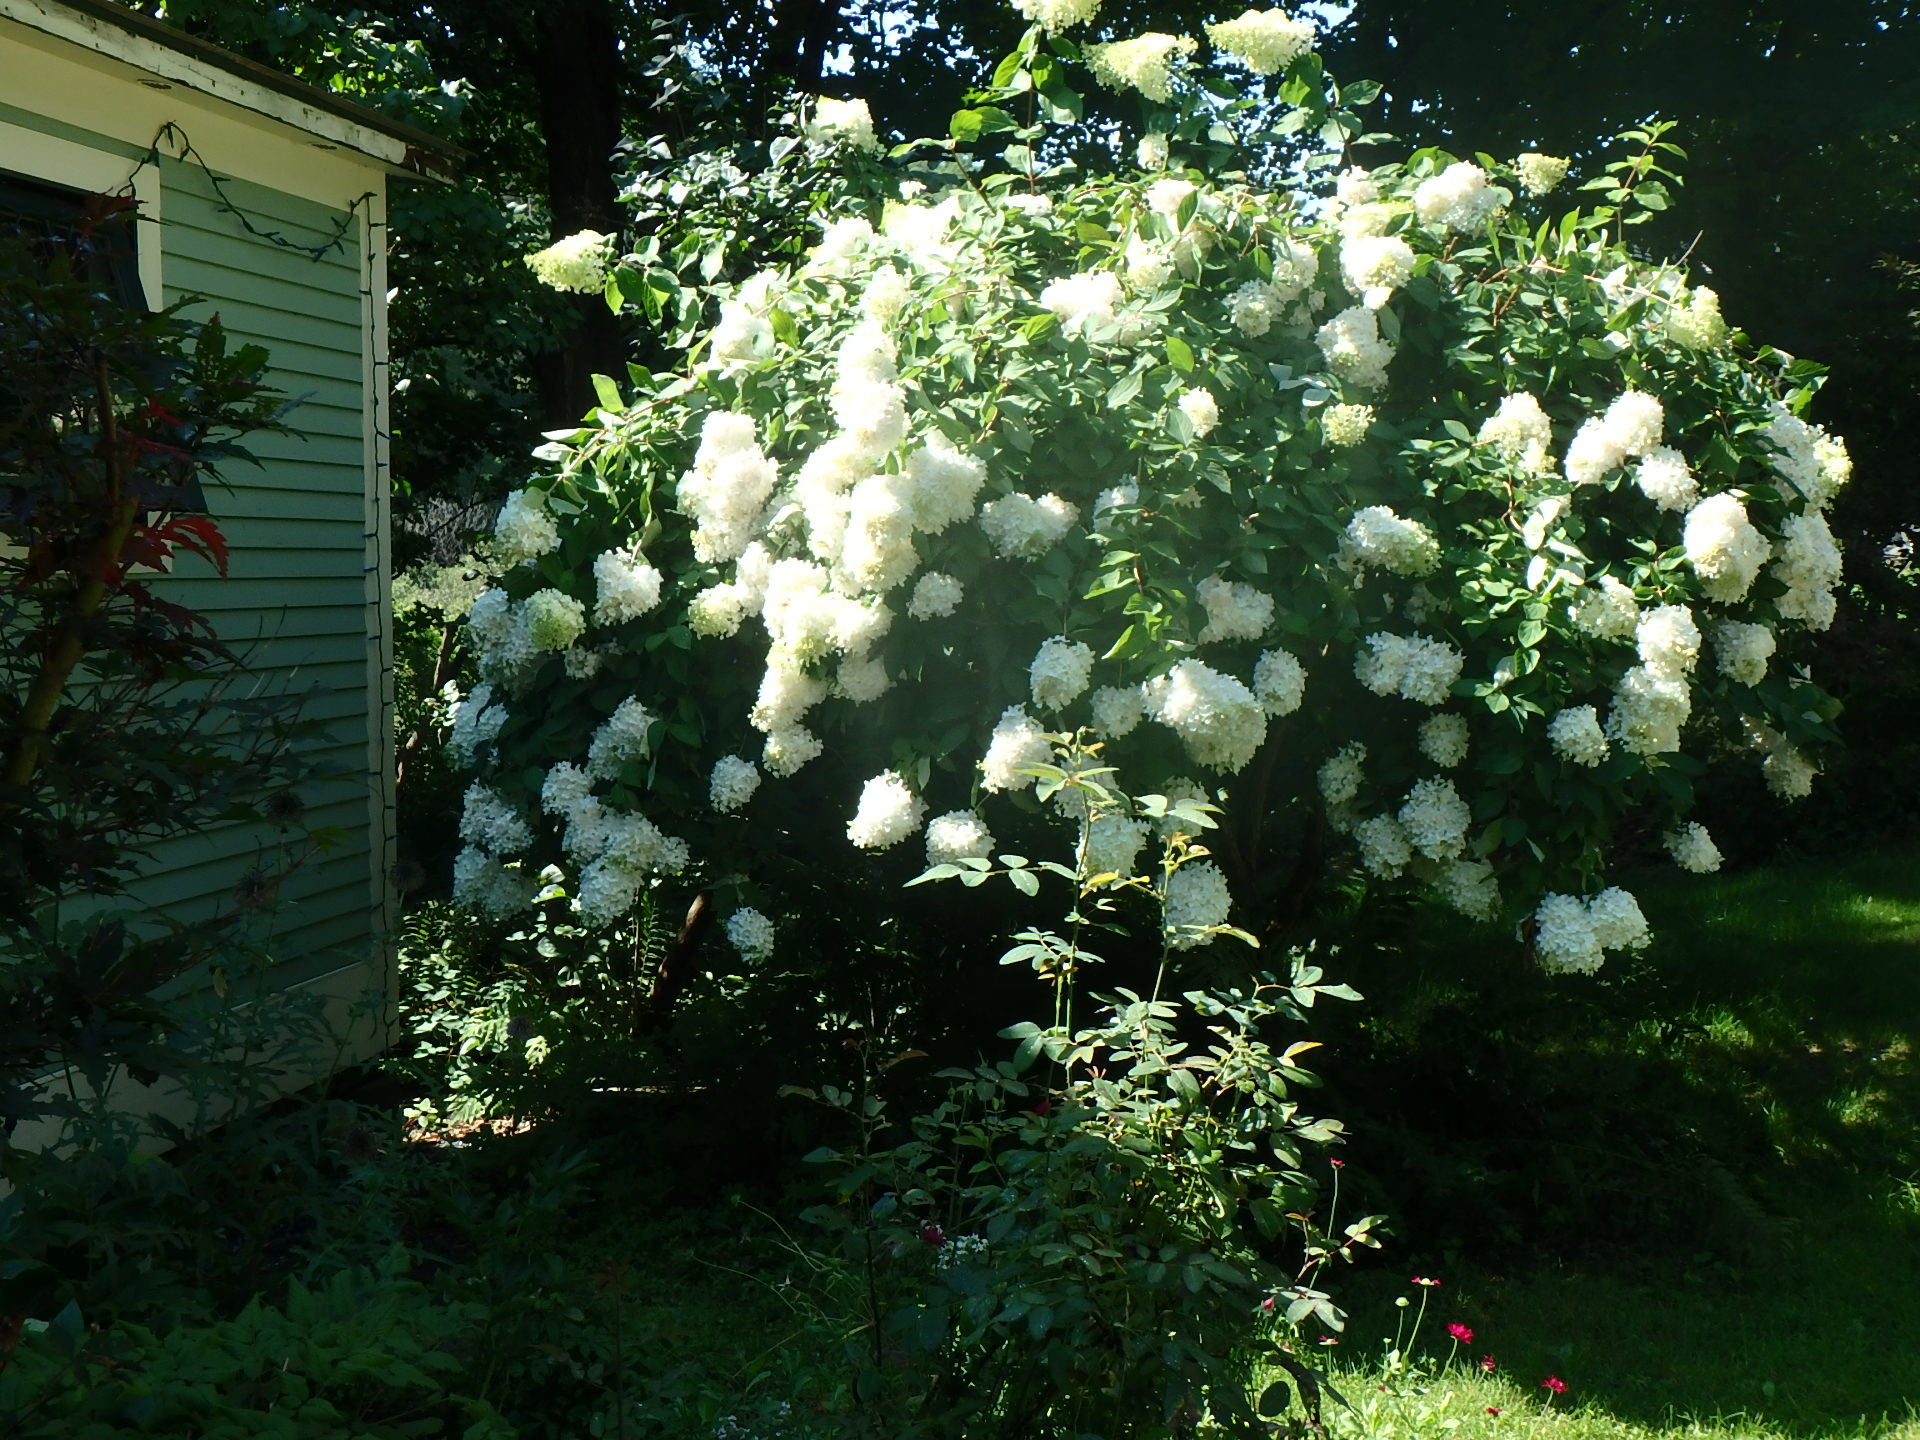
column 1650, row 705
column 1540, row 174
column 1152, row 152
column 1142, row 63
column 1378, row 537
column 788, row 749
column 475, row 724
column 1216, row 717
column 1353, row 349
column 732, row 783
column 1469, row 886
column 1741, row 650
column 728, row 488
column 1017, row 744
column 1436, row 819
column 1812, row 461
column 1265, row 41
column 554, row 620
column 1084, row 302
column 1669, row 640
column 1375, row 262
column 1253, row 308
column 1149, row 266
column 1631, row 426
column 1573, row 935
column 1197, row 899
column 1339, row 777
column 1692, row 848
column 1056, row 15
column 1444, row 739
column 1521, row 431
column 525, row 529
column 751, row 934
column 565, row 787
column 1384, row 849
column 1279, row 682
column 1458, row 198
column 957, row 835
column 1809, row 566
column 1665, row 478
column 1235, row 611
column 577, row 264
column 625, row 586
column 716, row 612
column 1576, row 736
column 943, row 486
column 1788, row 773
column 1022, row 528
column 1346, row 425
column 1411, row 666
column 490, row 822
column 1060, row 672
column 1724, row 548
column 841, row 122
column 1608, row 611
column 934, row 595
column 1118, row 710
column 886, row 294
column 621, row 737
column 1110, row 844
column 1694, row 321
column 889, row 812
column 1355, row 186
column 1201, row 409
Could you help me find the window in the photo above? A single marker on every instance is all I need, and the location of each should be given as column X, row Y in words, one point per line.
column 97, row 231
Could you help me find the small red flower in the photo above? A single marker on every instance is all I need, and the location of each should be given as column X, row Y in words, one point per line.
column 933, row 1235
column 1423, row 1280
column 1460, row 1333
column 1337, row 1163
column 1488, row 1364
column 1555, row 1384
column 1493, row 1409
column 1328, row 1340
column 1269, row 1304
column 1043, row 1107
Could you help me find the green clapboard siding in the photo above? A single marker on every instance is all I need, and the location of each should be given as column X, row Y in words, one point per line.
column 295, row 601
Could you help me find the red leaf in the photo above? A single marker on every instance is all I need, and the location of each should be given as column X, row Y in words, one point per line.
column 199, row 534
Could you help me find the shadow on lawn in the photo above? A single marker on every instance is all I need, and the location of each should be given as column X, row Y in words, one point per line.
column 1698, row 1175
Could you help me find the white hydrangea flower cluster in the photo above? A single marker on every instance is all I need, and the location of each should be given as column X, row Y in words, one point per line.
column 1017, row 744
column 1458, row 198
column 1812, row 461
column 1444, row 739
column 1340, row 776
column 1255, row 305
column 554, row 620
column 1385, row 851
column 889, row 812
column 1608, row 610
column 1631, row 426
column 1572, row 935
column 841, row 122
column 1652, row 701
column 1265, row 41
column 1201, row 409
column 578, row 264
column 1345, row 426
column 1741, row 651
column 1279, row 682
column 621, row 737
column 1520, row 431
column 1056, row 15
column 935, row 595
column 1374, row 266
column 1724, row 548
column 1692, row 848
column 1665, row 478
column 1022, row 528
column 1576, row 736
column 525, row 528
column 1413, row 667
column 1809, row 566
column 1694, row 320
column 1060, row 673
column 1142, row 63
column 1088, row 301
column 1111, row 843
column 1235, row 611
column 1378, row 537
column 751, row 934
column 1353, row 348
column 1196, row 900
column 1435, row 819
column 489, row 821
column 1217, row 718
column 625, row 586
column 1118, row 710
column 957, row 835
column 732, row 783
column 727, row 490
column 1540, row 174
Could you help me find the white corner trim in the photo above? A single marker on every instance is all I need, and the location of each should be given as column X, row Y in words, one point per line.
column 80, row 167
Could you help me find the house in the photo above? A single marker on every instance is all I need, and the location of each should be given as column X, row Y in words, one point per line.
column 266, row 201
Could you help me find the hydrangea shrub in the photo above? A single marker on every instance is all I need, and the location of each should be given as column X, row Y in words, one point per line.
column 1410, row 503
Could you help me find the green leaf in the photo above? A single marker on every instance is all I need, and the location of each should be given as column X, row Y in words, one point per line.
column 1025, row 881
column 1179, row 354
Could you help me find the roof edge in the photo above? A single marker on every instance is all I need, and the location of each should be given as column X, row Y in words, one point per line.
column 418, row 152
